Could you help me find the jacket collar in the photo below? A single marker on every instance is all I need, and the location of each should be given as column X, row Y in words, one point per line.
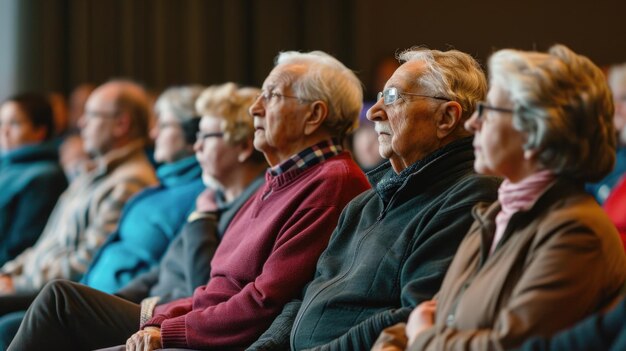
column 180, row 172
column 45, row 151
column 485, row 214
column 386, row 182
column 116, row 157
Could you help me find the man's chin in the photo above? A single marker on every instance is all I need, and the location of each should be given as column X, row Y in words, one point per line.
column 260, row 144
column 385, row 153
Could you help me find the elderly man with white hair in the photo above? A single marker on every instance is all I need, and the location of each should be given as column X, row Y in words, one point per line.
column 268, row 253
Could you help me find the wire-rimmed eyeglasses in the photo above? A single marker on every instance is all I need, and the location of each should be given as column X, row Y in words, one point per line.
column 391, row 95
column 267, row 96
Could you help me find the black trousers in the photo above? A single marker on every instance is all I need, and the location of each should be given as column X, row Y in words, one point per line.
column 71, row 316
column 16, row 302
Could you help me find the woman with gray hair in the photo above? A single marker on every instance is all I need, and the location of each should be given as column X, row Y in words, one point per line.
column 544, row 255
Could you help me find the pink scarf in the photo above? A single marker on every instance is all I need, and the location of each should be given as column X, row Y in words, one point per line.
column 515, row 197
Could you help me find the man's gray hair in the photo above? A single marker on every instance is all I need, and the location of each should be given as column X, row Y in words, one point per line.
column 563, row 103
column 452, row 74
column 330, row 81
column 180, row 101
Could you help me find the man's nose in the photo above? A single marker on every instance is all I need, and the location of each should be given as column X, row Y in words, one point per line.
column 256, row 109
column 377, row 112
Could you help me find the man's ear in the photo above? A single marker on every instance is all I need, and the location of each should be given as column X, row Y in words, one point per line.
column 316, row 117
column 123, row 123
column 449, row 118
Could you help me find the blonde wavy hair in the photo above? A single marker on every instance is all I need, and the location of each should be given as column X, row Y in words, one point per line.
column 230, row 103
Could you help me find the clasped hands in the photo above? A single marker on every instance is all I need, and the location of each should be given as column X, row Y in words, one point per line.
column 147, row 339
column 422, row 318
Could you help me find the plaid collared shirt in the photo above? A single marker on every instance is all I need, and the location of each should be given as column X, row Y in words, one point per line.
column 309, row 156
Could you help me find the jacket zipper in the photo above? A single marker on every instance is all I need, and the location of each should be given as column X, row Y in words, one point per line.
column 303, row 308
column 382, row 214
column 328, row 284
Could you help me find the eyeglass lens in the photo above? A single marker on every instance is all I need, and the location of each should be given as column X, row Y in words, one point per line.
column 390, row 95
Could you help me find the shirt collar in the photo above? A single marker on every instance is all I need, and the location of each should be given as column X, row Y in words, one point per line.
column 117, row 156
column 309, row 157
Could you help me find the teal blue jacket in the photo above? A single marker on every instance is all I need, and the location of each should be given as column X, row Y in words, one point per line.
column 149, row 222
column 31, row 181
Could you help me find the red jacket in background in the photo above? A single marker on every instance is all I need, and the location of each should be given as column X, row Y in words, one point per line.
column 615, row 207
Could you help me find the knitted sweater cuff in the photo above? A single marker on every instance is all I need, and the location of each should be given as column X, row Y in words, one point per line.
column 173, row 332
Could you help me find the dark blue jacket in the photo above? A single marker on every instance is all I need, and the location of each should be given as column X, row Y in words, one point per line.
column 596, row 333
column 31, row 181
column 149, row 222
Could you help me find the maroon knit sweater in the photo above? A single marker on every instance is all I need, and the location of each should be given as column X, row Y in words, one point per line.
column 268, row 254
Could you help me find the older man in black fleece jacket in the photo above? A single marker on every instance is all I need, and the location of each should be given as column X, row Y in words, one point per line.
column 393, row 244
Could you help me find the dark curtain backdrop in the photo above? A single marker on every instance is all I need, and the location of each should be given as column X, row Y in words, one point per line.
column 57, row 44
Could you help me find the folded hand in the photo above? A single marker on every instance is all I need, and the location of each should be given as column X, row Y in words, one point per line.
column 147, row 339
